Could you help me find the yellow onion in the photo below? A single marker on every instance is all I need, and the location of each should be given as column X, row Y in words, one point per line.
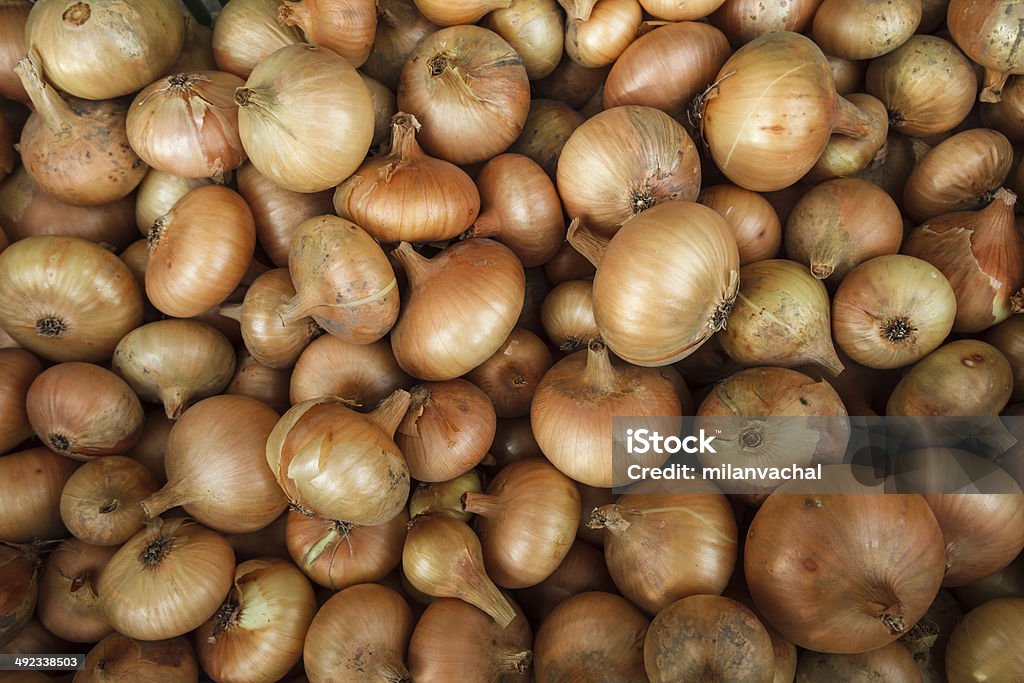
column 33, row 481
column 982, row 647
column 103, row 49
column 362, row 375
column 624, row 161
column 400, row 28
column 445, row 497
column 468, row 12
column 845, row 156
column 13, row 15
column 68, row 604
column 66, row 299
column 1008, row 337
column 158, row 193
column 582, row 570
column 337, row 555
column 772, row 110
column 268, row 542
column 343, row 281
column 151, row 447
column 891, row 311
column 100, row 502
column 76, row 150
column 894, row 662
column 510, row 377
column 216, row 466
column 753, row 220
column 981, row 253
column 892, row 165
column 406, row 195
column 246, row 32
column 1006, row 115
column 343, row 26
column 573, row 406
column 548, row 126
column 781, row 317
column 461, row 306
column 187, row 124
column 19, row 569
column 534, row 29
column 258, row 632
column 744, row 20
column 697, row 262
column 469, row 89
column 848, row 74
column 360, row 634
column 255, row 380
column 175, row 362
column 197, row 51
column 8, row 155
column 305, row 118
column 340, row 464
column 568, row 315
column 442, row 558
column 864, row 29
column 18, row 369
column 987, row 32
column 598, row 37
column 120, row 658
column 572, row 84
column 210, row 231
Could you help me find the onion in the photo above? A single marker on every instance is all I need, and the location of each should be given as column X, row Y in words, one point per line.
column 105, row 49
column 965, row 377
column 33, row 638
column 197, row 51
column 568, row 315
column 187, row 124
column 514, row 440
column 83, row 411
column 158, row 193
column 120, row 658
column 1005, row 583
column 573, row 407
column 462, row 305
column 305, row 118
column 983, row 646
column 709, row 637
column 340, row 464
column 927, row 85
column 346, row 27
column 152, row 445
column 469, row 89
column 258, row 632
column 100, row 501
column 892, row 165
column 406, row 195
column 337, row 555
column 534, row 29
column 18, row 369
column 19, row 570
column 881, row 556
column 846, row 156
column 753, row 220
column 1008, row 337
column 246, row 32
column 590, row 637
column 890, row 663
column 961, row 173
column 255, row 380
column 209, row 230
column 216, row 466
column 1006, row 115
column 443, row 558
column 624, row 161
column 864, row 29
column 597, row 37
column 13, row 15
column 841, row 223
column 140, row 588
column 66, row 299
column 33, row 481
column 548, row 125
column 175, row 362
column 527, row 520
column 582, row 570
column 385, row 106
column 981, row 253
column 660, row 548
column 510, row 377
column 362, row 375
column 8, row 155
column 772, row 110
column 445, row 497
column 572, row 84
column 400, row 28
column 568, row 264
column 360, row 633
column 68, row 605
column 744, row 20
column 848, row 74
column 891, row 311
column 446, row 431
column 986, row 31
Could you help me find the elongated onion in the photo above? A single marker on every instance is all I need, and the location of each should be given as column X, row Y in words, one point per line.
column 445, row 497
column 343, row 26
column 845, row 156
column 988, row 32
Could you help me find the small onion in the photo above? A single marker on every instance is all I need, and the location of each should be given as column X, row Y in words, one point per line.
column 568, row 264
column 400, row 28
column 753, row 220
column 1008, row 337
column 343, row 26
column 744, row 20
column 848, row 74
column 19, row 575
column 18, row 369
column 33, row 481
column 598, row 38
column 510, row 377
column 987, row 32
column 548, row 125
column 100, row 502
column 445, row 497
column 467, row 12
column 864, row 29
column 534, row 29
column 514, row 440
column 362, row 375
column 983, row 647
column 120, row 658
column 151, row 447
column 158, row 193
column 68, row 604
column 568, row 315
column 845, row 156
column 246, row 32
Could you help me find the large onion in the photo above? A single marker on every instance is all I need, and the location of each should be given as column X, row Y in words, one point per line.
column 984, row 646
column 989, row 32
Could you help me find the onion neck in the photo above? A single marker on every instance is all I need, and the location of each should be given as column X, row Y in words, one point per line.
column 296, row 13
column 608, row 517
column 589, row 245
column 233, row 311
column 225, row 618
column 442, row 66
column 1017, row 302
column 479, row 591
column 296, row 308
column 171, row 495
column 481, row 504
column 404, row 146
column 54, row 111
column 417, row 267
column 852, row 121
column 487, row 224
column 599, row 375
column 388, row 415
column 578, row 10
column 995, row 225
column 511, row 661
column 994, row 83
column 175, row 399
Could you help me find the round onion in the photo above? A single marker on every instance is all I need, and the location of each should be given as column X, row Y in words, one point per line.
column 255, row 380
column 362, row 375
column 548, row 126
column 845, row 156
column 890, row 663
column 988, row 32
column 13, row 15
column 400, row 28
column 343, row 26
column 158, row 193
column 1008, row 337
column 744, row 20
column 510, row 377
column 120, row 658
column 983, row 646
column 864, row 29
column 568, row 315
column 596, row 35
column 753, row 220
column 19, row 570
column 445, row 497
column 100, row 502
column 68, row 604
column 583, row 570
column 246, row 32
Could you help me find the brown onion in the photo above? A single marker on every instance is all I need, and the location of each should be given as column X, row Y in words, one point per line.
column 83, row 411
column 892, row 165
column 67, row 299
column 624, row 161
column 216, row 466
column 446, row 431
column 986, row 32
column 175, row 362
column 406, row 195
column 34, row 638
column 864, row 29
column 568, row 264
column 598, row 36
column 848, row 74
column 981, row 253
column 246, row 32
column 591, row 637
column 772, row 110
column 583, row 570
column 267, row 385
column 68, row 604
column 890, row 663
column 360, row 374
column 158, row 193
column 18, row 369
column 13, row 15
column 33, row 481
column 400, row 28
column 534, row 29
column 846, row 156
column 510, row 377
column 927, row 85
column 120, row 658
column 568, row 315
column 462, row 305
column 445, row 497
column 100, row 502
column 187, row 124
column 983, row 646
column 572, row 84
column 1007, row 115
column 385, row 106
column 19, row 571
column 514, row 440
column 744, row 20
column 269, row 541
column 548, row 126
column 359, row 634
column 660, row 548
column 258, row 632
column 753, row 220
column 343, row 26
column 1008, row 337
column 469, row 89
column 152, row 444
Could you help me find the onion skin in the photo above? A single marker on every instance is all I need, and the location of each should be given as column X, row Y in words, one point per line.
column 197, row 51
column 158, row 193
column 845, row 156
column 568, row 315
column 247, row 32
column 583, row 570
column 599, row 39
column 985, row 31
column 1005, row 583
column 20, row 568
column 864, row 29
column 510, row 377
column 1008, row 337
column 400, row 28
column 743, row 20
column 18, row 369
column 68, row 605
column 1007, row 115
column 362, row 375
column 100, row 502
column 270, row 341
column 445, row 497
column 983, row 645
column 890, row 663
column 39, row 475
column 343, row 26
column 545, row 132
column 120, row 658
column 534, row 28
column 13, row 15
column 753, row 219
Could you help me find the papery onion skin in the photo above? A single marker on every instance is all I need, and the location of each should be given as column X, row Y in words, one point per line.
column 101, row 50
column 622, row 162
column 197, row 51
column 754, row 222
column 568, row 315
column 68, row 605
column 305, row 118
column 445, row 497
column 343, row 26
column 744, row 20
column 988, row 32
column 1007, row 115
column 599, row 40
column 983, row 647
column 18, row 369
column 29, row 510
column 67, row 299
column 510, row 376
column 844, row 155
column 120, row 658
column 535, row 29
column 400, row 28
column 246, row 32
column 361, row 374
column 469, row 89
column 100, row 502
column 272, row 342
column 255, row 380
